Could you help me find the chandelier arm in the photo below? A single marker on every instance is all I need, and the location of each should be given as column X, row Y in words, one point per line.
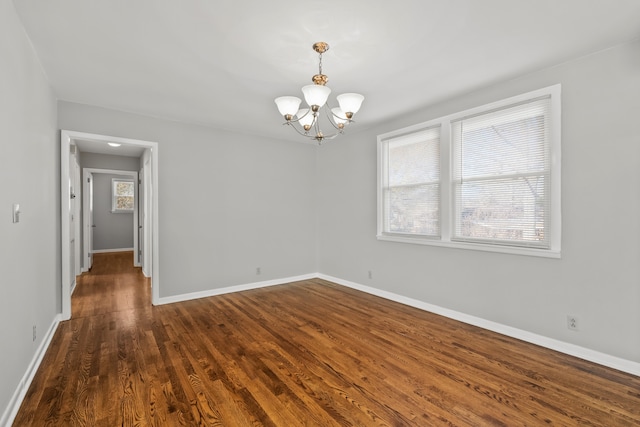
column 291, row 123
column 319, row 131
column 298, row 119
column 316, row 126
column 332, row 136
column 306, row 134
column 347, row 121
column 329, row 114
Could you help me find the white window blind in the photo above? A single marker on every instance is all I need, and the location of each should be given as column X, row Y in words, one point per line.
column 501, row 176
column 411, row 196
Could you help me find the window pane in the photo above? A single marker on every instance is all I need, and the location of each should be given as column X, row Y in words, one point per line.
column 412, row 193
column 124, row 188
column 414, row 162
column 124, row 202
column 501, row 164
column 507, row 210
column 504, row 149
column 414, row 210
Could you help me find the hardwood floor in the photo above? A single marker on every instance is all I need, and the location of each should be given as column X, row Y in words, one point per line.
column 307, row 353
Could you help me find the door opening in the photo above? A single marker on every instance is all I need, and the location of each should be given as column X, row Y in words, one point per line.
column 92, row 226
column 71, row 247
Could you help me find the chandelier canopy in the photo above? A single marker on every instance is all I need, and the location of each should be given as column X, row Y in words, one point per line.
column 306, row 121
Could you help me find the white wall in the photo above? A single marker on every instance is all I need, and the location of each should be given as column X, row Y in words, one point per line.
column 29, row 175
column 229, row 203
column 598, row 277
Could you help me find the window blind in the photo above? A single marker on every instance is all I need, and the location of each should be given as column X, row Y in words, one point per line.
column 412, row 184
column 501, row 176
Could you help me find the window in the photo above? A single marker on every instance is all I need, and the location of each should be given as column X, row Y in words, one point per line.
column 486, row 178
column 412, row 187
column 122, row 195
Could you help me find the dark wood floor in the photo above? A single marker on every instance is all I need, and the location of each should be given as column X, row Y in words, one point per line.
column 306, row 353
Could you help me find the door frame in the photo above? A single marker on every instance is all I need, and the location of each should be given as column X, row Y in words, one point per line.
column 87, row 237
column 75, row 188
column 144, row 216
column 66, row 138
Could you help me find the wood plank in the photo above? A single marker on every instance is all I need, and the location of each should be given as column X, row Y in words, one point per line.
column 305, row 353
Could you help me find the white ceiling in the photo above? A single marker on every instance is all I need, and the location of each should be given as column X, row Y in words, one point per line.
column 221, row 63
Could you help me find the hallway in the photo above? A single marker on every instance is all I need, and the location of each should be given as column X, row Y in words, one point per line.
column 113, row 285
column 96, row 352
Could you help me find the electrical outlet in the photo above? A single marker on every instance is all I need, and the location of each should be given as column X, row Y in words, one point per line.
column 34, row 332
column 370, row 275
column 572, row 323
column 258, row 271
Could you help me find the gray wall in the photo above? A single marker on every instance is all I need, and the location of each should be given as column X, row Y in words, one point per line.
column 112, row 230
column 598, row 277
column 30, row 175
column 228, row 202
column 108, row 161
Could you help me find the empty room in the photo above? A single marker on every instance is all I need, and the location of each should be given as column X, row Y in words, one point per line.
column 411, row 213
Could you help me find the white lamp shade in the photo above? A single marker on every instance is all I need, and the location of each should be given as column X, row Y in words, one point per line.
column 305, row 120
column 316, row 94
column 288, row 104
column 350, row 102
column 338, row 116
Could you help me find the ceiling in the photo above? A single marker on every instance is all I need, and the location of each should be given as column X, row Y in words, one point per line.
column 221, row 63
column 103, row 147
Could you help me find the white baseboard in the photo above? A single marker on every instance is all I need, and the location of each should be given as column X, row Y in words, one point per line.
column 103, row 251
column 18, row 395
column 550, row 343
column 237, row 288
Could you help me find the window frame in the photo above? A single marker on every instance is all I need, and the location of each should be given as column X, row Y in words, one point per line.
column 447, row 214
column 114, row 182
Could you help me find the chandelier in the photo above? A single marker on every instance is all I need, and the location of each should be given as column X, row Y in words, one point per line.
column 306, row 121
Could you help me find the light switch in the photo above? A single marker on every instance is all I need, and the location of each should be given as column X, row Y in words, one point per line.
column 16, row 212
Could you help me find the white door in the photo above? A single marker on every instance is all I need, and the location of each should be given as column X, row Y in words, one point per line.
column 72, row 222
column 145, row 215
column 141, row 213
column 77, row 212
column 87, row 179
column 75, row 248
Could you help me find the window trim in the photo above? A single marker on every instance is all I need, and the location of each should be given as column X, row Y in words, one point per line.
column 113, row 195
column 446, row 203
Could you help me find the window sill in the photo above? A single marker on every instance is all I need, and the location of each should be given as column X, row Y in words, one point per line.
column 122, row 211
column 513, row 250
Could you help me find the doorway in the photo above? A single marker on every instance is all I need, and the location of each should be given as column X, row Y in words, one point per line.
column 70, row 254
column 99, row 204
